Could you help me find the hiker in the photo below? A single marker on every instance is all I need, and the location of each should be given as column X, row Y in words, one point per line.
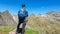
column 22, row 16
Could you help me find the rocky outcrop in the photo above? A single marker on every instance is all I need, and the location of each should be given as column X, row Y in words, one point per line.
column 6, row 19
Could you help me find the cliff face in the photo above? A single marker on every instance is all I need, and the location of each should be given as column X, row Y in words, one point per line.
column 6, row 19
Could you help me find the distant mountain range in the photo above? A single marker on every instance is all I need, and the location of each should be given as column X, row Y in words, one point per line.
column 54, row 16
column 45, row 24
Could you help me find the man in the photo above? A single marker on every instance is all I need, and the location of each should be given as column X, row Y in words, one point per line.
column 22, row 15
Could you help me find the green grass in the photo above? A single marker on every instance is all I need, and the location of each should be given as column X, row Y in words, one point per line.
column 7, row 29
column 30, row 31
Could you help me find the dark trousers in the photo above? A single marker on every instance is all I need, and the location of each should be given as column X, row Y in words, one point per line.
column 23, row 22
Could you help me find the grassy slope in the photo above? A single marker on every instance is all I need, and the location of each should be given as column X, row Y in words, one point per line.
column 6, row 29
column 43, row 25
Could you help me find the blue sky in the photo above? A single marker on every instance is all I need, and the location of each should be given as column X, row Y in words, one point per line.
column 32, row 6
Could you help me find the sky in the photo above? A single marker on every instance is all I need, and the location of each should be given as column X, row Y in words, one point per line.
column 32, row 6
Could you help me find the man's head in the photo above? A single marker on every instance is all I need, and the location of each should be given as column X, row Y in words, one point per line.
column 23, row 5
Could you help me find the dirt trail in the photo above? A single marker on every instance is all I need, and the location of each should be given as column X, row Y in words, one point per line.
column 13, row 32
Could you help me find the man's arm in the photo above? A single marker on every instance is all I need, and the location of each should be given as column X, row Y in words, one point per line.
column 19, row 13
column 26, row 16
column 26, row 13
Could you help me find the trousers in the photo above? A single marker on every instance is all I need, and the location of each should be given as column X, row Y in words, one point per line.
column 23, row 22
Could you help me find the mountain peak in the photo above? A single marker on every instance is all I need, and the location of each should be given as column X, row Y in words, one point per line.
column 6, row 19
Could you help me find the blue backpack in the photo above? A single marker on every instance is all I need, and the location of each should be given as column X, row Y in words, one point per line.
column 22, row 14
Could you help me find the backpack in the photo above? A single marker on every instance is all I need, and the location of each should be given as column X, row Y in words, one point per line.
column 22, row 13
